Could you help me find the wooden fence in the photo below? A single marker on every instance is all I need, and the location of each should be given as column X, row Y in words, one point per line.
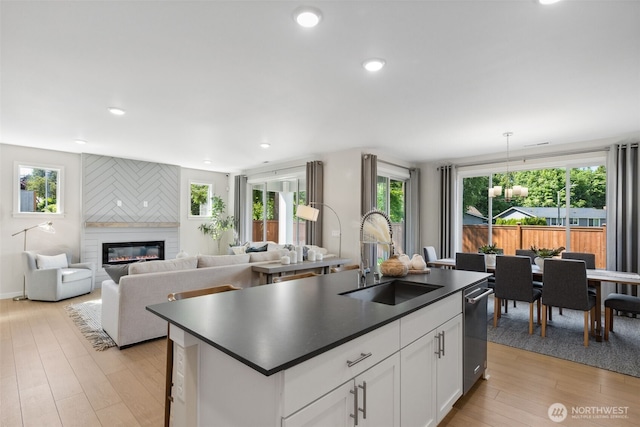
column 512, row 237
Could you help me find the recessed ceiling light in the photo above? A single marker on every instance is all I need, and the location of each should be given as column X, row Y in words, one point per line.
column 81, row 141
column 373, row 64
column 548, row 1
column 307, row 17
column 116, row 111
column 207, row 161
column 265, row 145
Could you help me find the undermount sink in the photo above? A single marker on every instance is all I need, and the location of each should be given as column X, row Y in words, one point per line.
column 391, row 293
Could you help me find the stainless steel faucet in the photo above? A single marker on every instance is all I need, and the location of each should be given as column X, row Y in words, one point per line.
column 362, row 276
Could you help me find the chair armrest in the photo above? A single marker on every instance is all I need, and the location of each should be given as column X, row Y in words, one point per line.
column 87, row 265
column 49, row 275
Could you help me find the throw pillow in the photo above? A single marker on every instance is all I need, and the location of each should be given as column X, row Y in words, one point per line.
column 238, row 250
column 116, row 271
column 258, row 249
column 55, row 261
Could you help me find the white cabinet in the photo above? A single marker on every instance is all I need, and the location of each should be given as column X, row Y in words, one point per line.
column 370, row 399
column 431, row 379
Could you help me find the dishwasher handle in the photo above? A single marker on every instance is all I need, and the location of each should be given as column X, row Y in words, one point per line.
column 479, row 297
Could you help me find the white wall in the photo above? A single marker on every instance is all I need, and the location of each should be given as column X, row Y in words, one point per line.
column 67, row 225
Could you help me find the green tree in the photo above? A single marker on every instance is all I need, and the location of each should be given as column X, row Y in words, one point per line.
column 43, row 182
column 199, row 195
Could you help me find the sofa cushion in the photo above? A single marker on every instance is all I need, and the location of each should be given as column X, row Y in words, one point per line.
column 188, row 263
column 116, row 271
column 73, row 274
column 219, row 260
column 54, row 261
column 267, row 256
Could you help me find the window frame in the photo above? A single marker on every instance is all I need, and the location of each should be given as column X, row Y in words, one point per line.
column 59, row 169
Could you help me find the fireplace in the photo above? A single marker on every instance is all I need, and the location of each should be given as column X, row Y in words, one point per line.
column 127, row 252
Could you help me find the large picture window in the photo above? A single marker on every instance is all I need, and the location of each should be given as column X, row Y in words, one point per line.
column 550, row 216
column 39, row 189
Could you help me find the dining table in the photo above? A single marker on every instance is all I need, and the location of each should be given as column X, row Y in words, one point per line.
column 595, row 278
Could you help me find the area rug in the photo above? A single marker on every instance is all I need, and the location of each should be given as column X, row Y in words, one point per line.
column 87, row 316
column 564, row 338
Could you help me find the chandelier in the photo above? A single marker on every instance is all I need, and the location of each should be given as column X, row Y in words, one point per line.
column 510, row 190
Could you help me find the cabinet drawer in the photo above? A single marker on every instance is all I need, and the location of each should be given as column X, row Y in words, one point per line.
column 422, row 321
column 312, row 379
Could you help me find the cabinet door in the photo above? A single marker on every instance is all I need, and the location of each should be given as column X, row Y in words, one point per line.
column 418, row 382
column 379, row 394
column 333, row 409
column 449, row 373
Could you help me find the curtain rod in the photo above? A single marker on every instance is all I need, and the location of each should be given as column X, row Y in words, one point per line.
column 393, row 164
column 534, row 156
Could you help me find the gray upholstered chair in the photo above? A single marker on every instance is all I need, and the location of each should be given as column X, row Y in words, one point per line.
column 514, row 281
column 527, row 252
column 470, row 262
column 589, row 259
column 619, row 302
column 565, row 285
column 429, row 253
column 51, row 276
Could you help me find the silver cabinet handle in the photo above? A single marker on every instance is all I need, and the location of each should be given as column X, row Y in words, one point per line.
column 355, row 406
column 364, row 399
column 438, row 346
column 442, row 343
column 359, row 359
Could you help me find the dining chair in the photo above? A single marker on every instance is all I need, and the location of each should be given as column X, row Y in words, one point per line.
column 527, row 252
column 429, row 253
column 471, row 261
column 514, row 281
column 566, row 286
column 619, row 302
column 279, row 279
column 175, row 296
column 588, row 258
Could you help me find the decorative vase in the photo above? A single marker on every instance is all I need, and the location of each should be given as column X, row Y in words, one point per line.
column 394, row 267
column 405, row 259
column 417, row 263
column 490, row 260
column 539, row 262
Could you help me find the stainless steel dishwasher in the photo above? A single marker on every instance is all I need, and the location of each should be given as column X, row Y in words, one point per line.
column 475, row 334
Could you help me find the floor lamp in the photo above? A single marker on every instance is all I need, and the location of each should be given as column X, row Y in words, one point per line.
column 311, row 214
column 47, row 227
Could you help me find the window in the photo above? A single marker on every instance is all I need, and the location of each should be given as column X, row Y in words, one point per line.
column 273, row 203
column 544, row 216
column 391, row 194
column 200, row 199
column 39, row 189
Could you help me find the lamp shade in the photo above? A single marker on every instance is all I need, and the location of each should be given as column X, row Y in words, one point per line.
column 307, row 212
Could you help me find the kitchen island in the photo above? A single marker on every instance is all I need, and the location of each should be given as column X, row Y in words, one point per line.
column 265, row 355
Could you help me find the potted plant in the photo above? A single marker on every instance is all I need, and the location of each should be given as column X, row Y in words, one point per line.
column 490, row 252
column 218, row 222
column 542, row 253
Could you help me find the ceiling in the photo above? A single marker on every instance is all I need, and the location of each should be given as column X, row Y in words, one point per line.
column 214, row 79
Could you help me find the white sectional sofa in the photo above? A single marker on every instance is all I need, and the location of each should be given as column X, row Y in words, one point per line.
column 124, row 316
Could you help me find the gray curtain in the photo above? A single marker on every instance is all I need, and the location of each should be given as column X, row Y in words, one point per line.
column 412, row 213
column 623, row 212
column 315, row 191
column 445, row 220
column 369, row 200
column 240, row 208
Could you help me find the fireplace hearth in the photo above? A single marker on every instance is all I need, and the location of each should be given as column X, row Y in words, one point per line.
column 127, row 252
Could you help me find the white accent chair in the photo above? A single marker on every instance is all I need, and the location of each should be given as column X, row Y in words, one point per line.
column 51, row 276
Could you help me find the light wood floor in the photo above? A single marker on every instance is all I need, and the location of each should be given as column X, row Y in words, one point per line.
column 51, row 376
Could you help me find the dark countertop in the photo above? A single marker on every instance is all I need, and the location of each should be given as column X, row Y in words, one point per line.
column 274, row 327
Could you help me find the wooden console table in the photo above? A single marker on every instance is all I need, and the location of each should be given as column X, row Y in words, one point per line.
column 268, row 270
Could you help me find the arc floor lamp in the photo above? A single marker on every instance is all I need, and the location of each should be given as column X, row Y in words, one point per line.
column 310, row 213
column 47, row 227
